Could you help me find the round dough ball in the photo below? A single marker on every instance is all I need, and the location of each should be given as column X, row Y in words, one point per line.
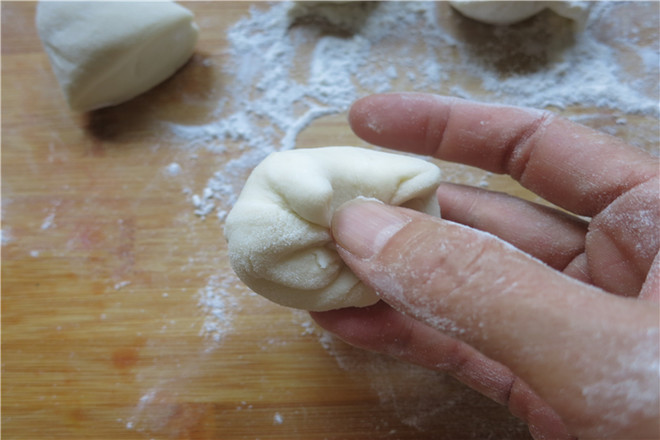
column 278, row 232
column 105, row 53
column 498, row 12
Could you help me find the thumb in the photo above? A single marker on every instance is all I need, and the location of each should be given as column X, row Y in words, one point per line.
column 591, row 355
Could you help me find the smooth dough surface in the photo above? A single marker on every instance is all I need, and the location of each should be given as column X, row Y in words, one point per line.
column 278, row 232
column 503, row 13
column 105, row 53
column 498, row 12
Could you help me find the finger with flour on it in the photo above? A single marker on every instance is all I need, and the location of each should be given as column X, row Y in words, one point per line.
column 552, row 236
column 584, row 171
column 572, row 166
column 591, row 356
column 381, row 329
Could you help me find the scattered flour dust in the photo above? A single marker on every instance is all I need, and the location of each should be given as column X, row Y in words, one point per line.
column 218, row 303
column 173, row 169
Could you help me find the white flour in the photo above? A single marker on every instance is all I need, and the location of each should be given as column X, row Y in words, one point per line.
column 218, row 304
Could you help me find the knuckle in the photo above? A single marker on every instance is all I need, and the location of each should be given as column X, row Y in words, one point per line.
column 521, row 146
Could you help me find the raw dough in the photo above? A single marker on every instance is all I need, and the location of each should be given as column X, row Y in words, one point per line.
column 278, row 232
column 498, row 12
column 104, row 53
column 503, row 13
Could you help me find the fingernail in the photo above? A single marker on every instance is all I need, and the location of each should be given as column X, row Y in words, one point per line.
column 364, row 227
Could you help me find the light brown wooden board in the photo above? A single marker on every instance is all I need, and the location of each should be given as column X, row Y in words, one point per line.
column 102, row 264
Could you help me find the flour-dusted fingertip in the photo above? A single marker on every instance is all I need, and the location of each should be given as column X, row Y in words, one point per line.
column 363, row 227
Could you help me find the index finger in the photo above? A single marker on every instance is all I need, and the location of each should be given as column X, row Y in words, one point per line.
column 570, row 165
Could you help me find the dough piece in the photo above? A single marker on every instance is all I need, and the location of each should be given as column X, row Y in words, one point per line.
column 105, row 53
column 498, row 12
column 278, row 232
column 502, row 13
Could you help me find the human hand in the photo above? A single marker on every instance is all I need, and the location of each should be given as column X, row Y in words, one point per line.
column 551, row 315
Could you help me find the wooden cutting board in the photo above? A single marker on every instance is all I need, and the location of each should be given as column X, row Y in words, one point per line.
column 107, row 274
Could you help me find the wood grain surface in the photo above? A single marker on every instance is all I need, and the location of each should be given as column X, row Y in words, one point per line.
column 105, row 266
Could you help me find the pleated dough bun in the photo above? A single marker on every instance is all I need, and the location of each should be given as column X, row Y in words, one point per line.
column 278, row 232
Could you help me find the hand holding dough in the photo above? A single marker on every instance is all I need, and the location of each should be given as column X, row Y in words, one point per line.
column 104, row 53
column 278, row 232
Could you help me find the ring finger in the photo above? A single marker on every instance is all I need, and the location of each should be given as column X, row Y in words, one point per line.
column 382, row 329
